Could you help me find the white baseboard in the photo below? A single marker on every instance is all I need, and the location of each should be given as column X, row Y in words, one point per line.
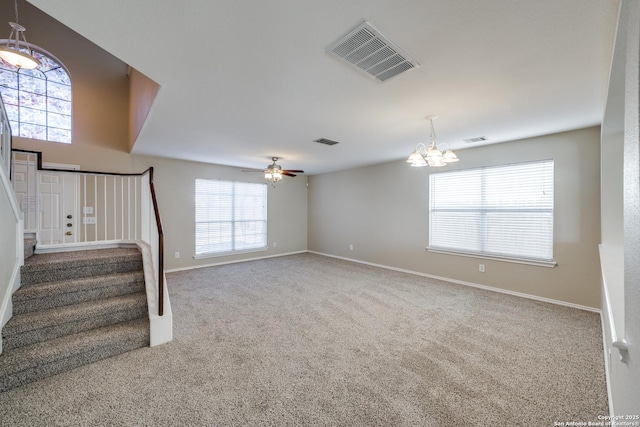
column 461, row 282
column 232, row 262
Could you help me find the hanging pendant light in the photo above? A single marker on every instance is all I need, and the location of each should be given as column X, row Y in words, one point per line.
column 17, row 51
column 431, row 155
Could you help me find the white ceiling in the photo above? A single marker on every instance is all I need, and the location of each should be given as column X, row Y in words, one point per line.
column 245, row 80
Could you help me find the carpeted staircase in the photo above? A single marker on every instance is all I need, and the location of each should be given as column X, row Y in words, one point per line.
column 73, row 308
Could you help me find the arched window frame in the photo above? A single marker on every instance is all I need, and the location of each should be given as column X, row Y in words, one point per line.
column 38, row 101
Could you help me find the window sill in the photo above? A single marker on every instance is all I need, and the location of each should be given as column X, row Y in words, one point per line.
column 548, row 264
column 228, row 253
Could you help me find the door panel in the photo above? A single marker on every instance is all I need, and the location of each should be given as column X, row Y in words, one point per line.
column 58, row 207
column 24, row 185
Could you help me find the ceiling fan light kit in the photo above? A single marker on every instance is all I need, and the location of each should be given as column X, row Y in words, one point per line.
column 274, row 173
column 433, row 155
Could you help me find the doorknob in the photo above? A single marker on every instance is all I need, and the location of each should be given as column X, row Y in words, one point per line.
column 69, row 216
column 68, row 233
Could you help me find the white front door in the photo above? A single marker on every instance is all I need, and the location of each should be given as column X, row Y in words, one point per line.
column 58, row 198
column 49, row 200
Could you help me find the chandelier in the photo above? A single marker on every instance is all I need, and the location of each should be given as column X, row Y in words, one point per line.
column 433, row 155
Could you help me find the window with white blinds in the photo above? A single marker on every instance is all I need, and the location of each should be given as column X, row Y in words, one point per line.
column 500, row 211
column 230, row 216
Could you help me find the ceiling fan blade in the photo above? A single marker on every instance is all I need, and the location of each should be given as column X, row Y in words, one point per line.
column 252, row 170
column 293, row 171
column 288, row 173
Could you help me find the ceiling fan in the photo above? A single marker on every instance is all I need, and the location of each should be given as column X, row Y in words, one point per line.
column 274, row 173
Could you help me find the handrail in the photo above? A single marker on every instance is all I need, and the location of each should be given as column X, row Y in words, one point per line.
column 155, row 209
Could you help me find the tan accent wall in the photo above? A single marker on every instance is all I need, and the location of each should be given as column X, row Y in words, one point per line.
column 142, row 92
column 100, row 87
column 382, row 210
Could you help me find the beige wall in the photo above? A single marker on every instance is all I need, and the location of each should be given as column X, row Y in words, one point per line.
column 99, row 80
column 612, row 198
column 175, row 186
column 90, row 158
column 382, row 210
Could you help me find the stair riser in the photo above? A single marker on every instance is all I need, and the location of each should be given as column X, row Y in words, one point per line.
column 29, row 246
column 14, row 341
column 30, row 277
column 62, row 299
column 72, row 361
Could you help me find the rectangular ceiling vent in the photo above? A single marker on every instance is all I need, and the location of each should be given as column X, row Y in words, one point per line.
column 325, row 141
column 371, row 52
column 477, row 139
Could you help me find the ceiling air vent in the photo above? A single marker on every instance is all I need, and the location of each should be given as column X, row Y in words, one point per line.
column 477, row 139
column 371, row 52
column 325, row 141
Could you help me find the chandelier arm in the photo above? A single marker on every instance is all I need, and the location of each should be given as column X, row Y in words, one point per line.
column 433, row 135
column 13, row 36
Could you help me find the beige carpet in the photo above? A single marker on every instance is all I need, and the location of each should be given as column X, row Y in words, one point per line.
column 310, row 340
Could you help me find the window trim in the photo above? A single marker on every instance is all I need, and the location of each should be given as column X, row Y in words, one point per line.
column 505, row 258
column 264, row 248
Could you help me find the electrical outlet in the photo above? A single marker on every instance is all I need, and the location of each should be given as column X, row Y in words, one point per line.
column 481, row 268
column 275, row 244
column 177, row 255
column 350, row 247
column 89, row 220
column 87, row 210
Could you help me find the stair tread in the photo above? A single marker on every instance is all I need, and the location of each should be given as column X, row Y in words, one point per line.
column 53, row 267
column 39, row 290
column 34, row 355
column 72, row 313
column 47, row 261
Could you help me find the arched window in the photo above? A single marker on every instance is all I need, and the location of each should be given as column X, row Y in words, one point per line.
column 38, row 101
